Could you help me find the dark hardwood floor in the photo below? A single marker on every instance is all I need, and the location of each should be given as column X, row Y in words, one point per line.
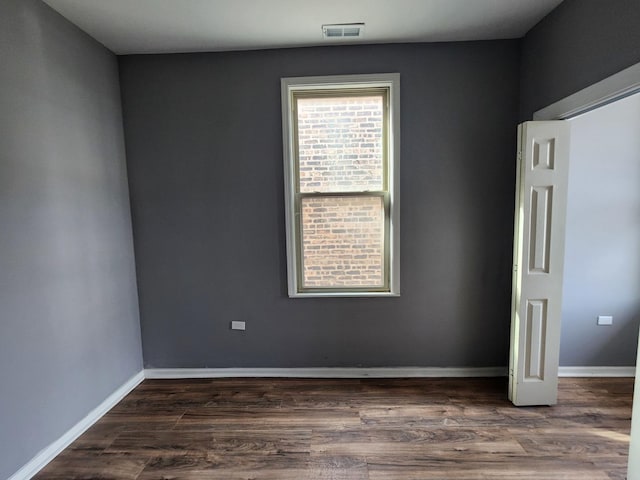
column 281, row 429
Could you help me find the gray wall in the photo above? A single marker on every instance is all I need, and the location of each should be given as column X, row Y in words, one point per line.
column 69, row 331
column 204, row 152
column 578, row 44
column 602, row 259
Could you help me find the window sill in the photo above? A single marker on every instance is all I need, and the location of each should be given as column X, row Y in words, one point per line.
column 343, row 294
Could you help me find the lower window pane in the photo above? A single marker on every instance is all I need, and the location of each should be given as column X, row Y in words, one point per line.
column 342, row 242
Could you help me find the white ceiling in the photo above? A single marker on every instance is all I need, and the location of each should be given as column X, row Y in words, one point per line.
column 157, row 26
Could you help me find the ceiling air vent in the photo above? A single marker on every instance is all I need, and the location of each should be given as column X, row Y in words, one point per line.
column 343, row 31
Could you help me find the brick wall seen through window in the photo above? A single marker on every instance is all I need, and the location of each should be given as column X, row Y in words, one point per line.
column 340, row 149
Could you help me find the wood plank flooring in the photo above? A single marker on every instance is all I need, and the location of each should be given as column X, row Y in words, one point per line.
column 391, row 429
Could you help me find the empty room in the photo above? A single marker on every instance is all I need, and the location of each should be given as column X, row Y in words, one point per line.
column 295, row 239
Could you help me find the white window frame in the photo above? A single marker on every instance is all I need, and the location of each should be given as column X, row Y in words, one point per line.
column 390, row 81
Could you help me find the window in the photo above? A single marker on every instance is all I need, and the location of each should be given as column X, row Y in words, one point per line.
column 341, row 153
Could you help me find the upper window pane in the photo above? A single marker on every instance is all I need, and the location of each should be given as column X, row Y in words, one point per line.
column 340, row 143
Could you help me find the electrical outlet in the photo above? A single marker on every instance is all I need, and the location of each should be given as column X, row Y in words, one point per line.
column 237, row 325
column 605, row 320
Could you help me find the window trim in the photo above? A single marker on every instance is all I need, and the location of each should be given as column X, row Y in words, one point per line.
column 390, row 81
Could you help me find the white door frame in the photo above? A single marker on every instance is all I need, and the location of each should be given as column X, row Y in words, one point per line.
column 615, row 87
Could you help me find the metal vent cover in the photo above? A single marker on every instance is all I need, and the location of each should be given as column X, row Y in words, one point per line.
column 343, row 31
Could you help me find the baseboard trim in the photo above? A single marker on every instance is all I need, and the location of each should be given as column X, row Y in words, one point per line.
column 330, row 372
column 597, row 371
column 45, row 456
column 373, row 372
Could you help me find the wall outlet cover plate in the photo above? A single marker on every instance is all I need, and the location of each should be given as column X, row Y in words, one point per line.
column 605, row 320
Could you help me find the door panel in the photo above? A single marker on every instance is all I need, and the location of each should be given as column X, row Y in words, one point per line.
column 538, row 261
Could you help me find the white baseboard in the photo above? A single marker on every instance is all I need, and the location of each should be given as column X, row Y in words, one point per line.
column 38, row 462
column 375, row 372
column 330, row 372
column 597, row 371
